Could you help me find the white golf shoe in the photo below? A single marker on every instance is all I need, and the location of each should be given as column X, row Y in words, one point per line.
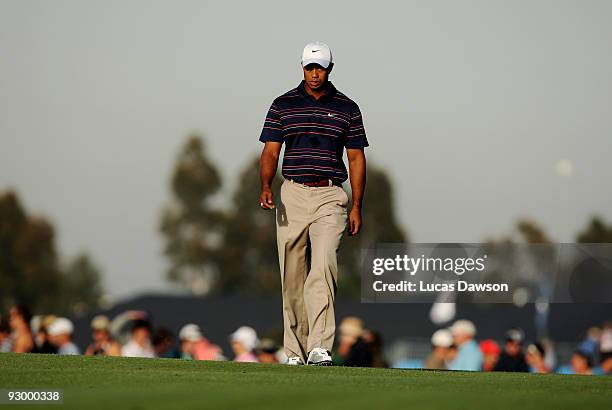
column 295, row 361
column 319, row 357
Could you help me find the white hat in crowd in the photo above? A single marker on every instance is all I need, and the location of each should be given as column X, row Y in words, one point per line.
column 246, row 336
column 60, row 326
column 442, row 338
column 463, row 327
column 317, row 53
column 351, row 327
column 190, row 332
column 100, row 322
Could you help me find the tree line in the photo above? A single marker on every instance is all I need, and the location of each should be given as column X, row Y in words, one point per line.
column 32, row 272
column 210, row 249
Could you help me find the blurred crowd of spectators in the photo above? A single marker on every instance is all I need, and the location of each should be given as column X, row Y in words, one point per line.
column 457, row 348
column 50, row 334
column 131, row 334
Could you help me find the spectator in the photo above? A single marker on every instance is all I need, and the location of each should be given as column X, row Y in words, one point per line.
column 590, row 345
column 605, row 347
column 350, row 329
column 605, row 342
column 375, row 342
column 353, row 349
column 103, row 344
column 267, row 351
column 512, row 358
column 490, row 353
column 468, row 356
column 60, row 335
column 163, row 344
column 21, row 337
column 243, row 341
column 606, row 363
column 535, row 359
column 197, row 347
column 42, row 342
column 451, row 355
column 581, row 363
column 441, row 341
column 5, row 336
column 140, row 341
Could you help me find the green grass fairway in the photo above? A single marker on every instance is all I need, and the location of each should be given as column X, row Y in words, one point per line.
column 116, row 383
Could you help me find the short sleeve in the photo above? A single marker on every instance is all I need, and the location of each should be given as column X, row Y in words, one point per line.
column 272, row 130
column 356, row 137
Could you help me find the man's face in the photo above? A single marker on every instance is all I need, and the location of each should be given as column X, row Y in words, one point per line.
column 141, row 335
column 461, row 338
column 441, row 351
column 513, row 348
column 186, row 346
column 99, row 335
column 315, row 76
column 606, row 366
column 491, row 359
column 14, row 318
column 59, row 340
column 579, row 363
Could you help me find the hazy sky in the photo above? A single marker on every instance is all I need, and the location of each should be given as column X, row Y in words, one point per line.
column 470, row 105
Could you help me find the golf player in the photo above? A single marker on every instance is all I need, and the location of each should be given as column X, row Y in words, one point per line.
column 316, row 123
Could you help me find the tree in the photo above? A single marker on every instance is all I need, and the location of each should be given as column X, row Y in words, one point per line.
column 81, row 284
column 526, row 230
column 12, row 223
column 190, row 227
column 524, row 259
column 29, row 263
column 595, row 232
column 531, row 232
column 249, row 257
column 30, row 270
column 380, row 225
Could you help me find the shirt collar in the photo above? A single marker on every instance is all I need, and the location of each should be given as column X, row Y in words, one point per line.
column 330, row 91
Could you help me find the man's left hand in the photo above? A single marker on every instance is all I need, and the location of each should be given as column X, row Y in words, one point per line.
column 354, row 222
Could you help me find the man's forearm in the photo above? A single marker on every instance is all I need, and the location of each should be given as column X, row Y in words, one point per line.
column 267, row 168
column 357, row 172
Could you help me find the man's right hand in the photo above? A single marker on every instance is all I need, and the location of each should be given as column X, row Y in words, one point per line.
column 265, row 199
column 267, row 169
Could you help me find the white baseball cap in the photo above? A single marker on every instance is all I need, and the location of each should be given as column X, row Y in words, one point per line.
column 246, row 336
column 60, row 326
column 463, row 327
column 317, row 53
column 442, row 338
column 100, row 322
column 190, row 332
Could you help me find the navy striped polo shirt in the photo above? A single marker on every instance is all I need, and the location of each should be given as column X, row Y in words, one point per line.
column 315, row 133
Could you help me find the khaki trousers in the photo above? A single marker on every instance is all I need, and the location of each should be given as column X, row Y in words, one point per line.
column 310, row 222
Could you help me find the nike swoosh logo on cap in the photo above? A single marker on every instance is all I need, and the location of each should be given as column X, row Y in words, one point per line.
column 314, row 51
